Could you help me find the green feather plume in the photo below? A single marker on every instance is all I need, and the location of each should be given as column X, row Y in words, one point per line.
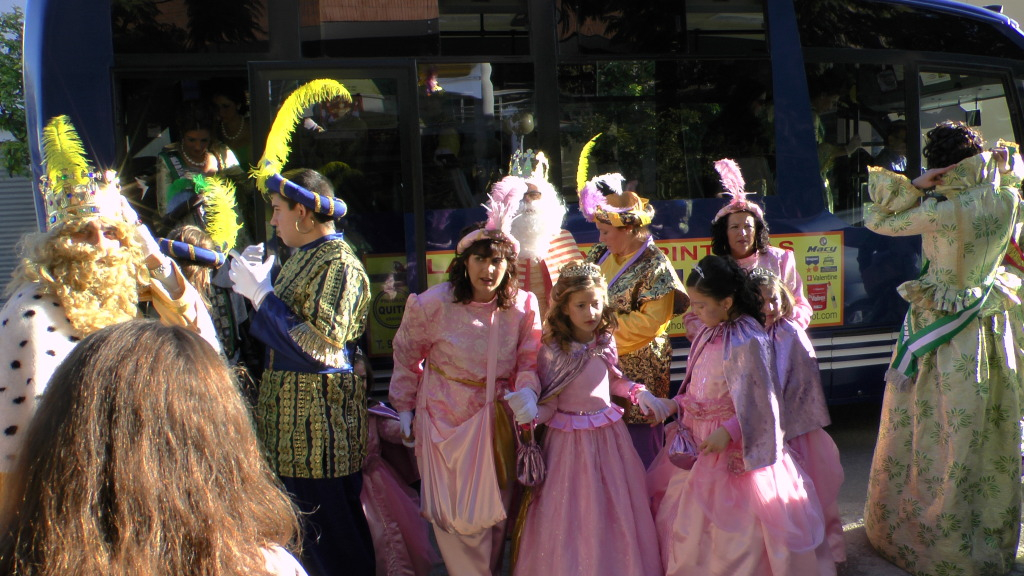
column 221, row 217
column 288, row 117
column 583, row 169
column 63, row 153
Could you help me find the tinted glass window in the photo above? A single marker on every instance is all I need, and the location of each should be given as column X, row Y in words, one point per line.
column 160, row 26
column 472, row 116
column 874, row 25
column 664, row 123
column 470, row 28
column 661, row 26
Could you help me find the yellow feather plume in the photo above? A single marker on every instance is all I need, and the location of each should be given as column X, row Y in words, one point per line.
column 583, row 168
column 63, row 153
column 221, row 218
column 288, row 117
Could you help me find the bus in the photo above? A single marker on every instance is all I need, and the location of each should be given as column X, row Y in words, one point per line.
column 803, row 94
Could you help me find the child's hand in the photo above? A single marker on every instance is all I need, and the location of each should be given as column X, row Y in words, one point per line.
column 718, row 441
column 651, row 405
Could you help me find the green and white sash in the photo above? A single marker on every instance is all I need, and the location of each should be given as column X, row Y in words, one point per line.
column 911, row 345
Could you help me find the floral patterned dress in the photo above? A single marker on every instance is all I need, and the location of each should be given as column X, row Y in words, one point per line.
column 944, row 492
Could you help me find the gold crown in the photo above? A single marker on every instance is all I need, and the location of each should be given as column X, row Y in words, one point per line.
column 67, row 198
column 580, row 269
column 70, row 187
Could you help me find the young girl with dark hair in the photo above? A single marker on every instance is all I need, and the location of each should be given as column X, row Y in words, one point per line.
column 802, row 403
column 591, row 515
column 745, row 507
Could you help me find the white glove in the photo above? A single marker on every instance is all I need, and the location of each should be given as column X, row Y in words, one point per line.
column 252, row 280
column 149, row 245
column 253, row 254
column 405, row 420
column 651, row 405
column 524, row 405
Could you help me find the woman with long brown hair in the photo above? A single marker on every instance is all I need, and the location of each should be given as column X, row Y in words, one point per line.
column 144, row 461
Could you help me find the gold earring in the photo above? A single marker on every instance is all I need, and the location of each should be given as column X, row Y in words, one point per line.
column 311, row 226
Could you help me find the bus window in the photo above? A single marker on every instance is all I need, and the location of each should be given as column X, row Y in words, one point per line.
column 626, row 26
column 975, row 99
column 472, row 118
column 664, row 123
column 859, row 113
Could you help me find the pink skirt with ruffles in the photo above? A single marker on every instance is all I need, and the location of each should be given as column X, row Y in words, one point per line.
column 818, row 456
column 591, row 515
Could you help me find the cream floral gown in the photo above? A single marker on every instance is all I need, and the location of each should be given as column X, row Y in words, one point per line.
column 944, row 493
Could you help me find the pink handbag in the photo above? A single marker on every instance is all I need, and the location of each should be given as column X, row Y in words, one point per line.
column 529, row 457
column 683, row 451
column 459, row 487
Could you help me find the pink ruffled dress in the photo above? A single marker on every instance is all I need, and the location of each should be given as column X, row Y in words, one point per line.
column 722, row 518
column 591, row 515
column 401, row 536
column 804, row 414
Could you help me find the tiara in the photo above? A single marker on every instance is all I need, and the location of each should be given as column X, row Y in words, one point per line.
column 759, row 272
column 580, row 269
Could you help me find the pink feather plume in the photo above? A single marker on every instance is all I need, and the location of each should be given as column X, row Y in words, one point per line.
column 732, row 178
column 591, row 196
column 503, row 203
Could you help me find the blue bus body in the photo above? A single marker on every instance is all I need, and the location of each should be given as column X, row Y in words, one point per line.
column 804, row 93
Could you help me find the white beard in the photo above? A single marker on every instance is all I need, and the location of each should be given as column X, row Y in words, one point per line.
column 536, row 226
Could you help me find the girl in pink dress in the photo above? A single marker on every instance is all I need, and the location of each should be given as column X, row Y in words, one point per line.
column 745, row 508
column 804, row 412
column 591, row 515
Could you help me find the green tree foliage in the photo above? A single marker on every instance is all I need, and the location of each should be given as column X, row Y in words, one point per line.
column 13, row 153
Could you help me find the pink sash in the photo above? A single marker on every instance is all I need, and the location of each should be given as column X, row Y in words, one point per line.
column 460, row 492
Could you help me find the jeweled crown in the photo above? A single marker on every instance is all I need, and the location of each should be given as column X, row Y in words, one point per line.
column 528, row 164
column 580, row 269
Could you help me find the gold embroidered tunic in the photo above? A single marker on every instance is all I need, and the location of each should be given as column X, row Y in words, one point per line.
column 311, row 410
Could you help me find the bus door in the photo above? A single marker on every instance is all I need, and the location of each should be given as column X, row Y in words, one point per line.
column 368, row 149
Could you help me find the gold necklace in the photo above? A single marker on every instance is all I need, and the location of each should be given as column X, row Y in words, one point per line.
column 224, row 131
column 198, row 164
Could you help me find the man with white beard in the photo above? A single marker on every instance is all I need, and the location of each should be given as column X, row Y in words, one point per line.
column 92, row 268
column 544, row 246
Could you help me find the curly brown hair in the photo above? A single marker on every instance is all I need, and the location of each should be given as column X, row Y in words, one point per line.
column 950, row 142
column 486, row 247
column 558, row 326
column 142, row 459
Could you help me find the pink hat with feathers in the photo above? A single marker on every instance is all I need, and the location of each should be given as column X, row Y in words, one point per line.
column 502, row 206
column 732, row 181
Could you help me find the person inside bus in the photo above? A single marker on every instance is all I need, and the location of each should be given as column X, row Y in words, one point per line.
column 180, row 163
column 893, row 157
column 739, row 230
column 825, row 91
column 232, row 127
column 145, row 462
column 948, row 461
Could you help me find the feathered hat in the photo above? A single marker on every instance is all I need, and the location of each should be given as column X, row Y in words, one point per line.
column 502, row 206
column 603, row 199
column 732, row 181
column 267, row 171
column 72, row 189
column 222, row 224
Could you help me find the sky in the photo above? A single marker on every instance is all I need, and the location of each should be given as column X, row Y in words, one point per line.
column 8, row 5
